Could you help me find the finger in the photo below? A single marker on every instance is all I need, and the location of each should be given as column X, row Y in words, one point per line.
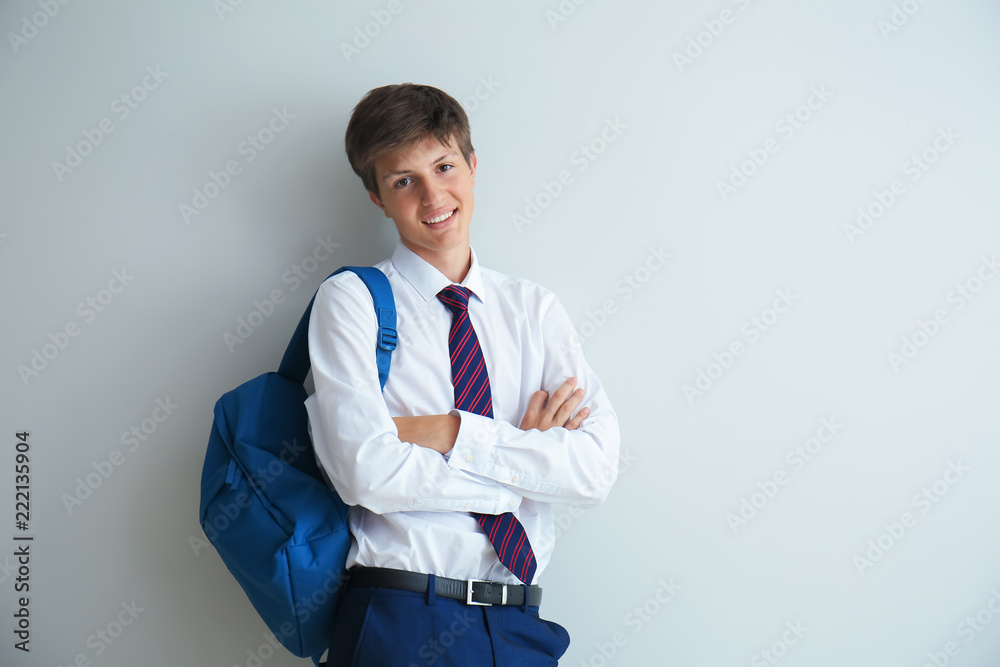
column 568, row 407
column 559, row 397
column 535, row 406
column 537, row 402
column 576, row 421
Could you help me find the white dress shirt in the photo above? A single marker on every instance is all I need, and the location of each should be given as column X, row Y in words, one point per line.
column 409, row 504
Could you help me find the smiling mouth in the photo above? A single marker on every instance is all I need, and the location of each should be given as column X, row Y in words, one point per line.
column 441, row 218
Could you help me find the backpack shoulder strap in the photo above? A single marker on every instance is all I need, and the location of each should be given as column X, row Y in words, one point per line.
column 295, row 362
column 385, row 315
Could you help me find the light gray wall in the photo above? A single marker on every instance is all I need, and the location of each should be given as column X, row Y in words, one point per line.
column 888, row 82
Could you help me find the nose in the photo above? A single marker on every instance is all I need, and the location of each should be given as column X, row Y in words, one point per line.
column 431, row 194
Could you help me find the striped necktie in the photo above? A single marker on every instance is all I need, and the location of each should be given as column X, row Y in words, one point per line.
column 472, row 394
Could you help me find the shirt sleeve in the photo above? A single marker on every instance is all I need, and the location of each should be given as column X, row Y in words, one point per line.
column 356, row 442
column 575, row 467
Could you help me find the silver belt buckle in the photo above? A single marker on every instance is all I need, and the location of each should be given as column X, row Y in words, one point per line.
column 468, row 593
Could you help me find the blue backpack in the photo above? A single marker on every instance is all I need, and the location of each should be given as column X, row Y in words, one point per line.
column 278, row 527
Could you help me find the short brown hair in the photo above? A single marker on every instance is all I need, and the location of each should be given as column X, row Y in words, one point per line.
column 391, row 118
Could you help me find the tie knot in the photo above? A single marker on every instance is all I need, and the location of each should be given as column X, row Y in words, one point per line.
column 456, row 298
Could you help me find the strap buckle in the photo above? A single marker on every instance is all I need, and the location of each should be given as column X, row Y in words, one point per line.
column 468, row 592
column 386, row 329
column 387, row 338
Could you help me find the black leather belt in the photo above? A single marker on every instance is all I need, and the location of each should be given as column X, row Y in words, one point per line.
column 472, row 591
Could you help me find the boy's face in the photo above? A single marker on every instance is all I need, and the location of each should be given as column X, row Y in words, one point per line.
column 427, row 191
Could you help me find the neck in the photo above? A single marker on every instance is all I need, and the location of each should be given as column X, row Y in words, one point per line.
column 454, row 264
column 457, row 271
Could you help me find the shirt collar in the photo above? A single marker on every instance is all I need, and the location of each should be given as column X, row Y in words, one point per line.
column 427, row 280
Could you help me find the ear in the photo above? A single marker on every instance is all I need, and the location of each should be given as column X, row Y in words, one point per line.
column 378, row 202
column 473, row 161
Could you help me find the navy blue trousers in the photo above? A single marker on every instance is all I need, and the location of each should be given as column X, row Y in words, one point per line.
column 382, row 627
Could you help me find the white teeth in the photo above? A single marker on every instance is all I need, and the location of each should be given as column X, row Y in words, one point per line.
column 440, row 218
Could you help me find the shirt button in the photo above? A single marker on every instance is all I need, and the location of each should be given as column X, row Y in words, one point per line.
column 468, row 506
column 515, row 479
column 468, row 458
column 510, row 503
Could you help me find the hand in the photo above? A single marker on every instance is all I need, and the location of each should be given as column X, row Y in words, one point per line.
column 437, row 432
column 544, row 412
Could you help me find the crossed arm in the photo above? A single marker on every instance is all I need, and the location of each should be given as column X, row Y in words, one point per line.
column 385, row 463
column 439, row 432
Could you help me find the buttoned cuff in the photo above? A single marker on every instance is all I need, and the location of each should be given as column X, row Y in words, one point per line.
column 474, row 452
column 475, row 445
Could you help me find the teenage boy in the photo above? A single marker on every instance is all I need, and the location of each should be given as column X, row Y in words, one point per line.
column 490, row 414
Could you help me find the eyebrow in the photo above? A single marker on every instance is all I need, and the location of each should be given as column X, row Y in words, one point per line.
column 441, row 159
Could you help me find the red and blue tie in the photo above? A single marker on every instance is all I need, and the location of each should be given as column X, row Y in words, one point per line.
column 472, row 394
